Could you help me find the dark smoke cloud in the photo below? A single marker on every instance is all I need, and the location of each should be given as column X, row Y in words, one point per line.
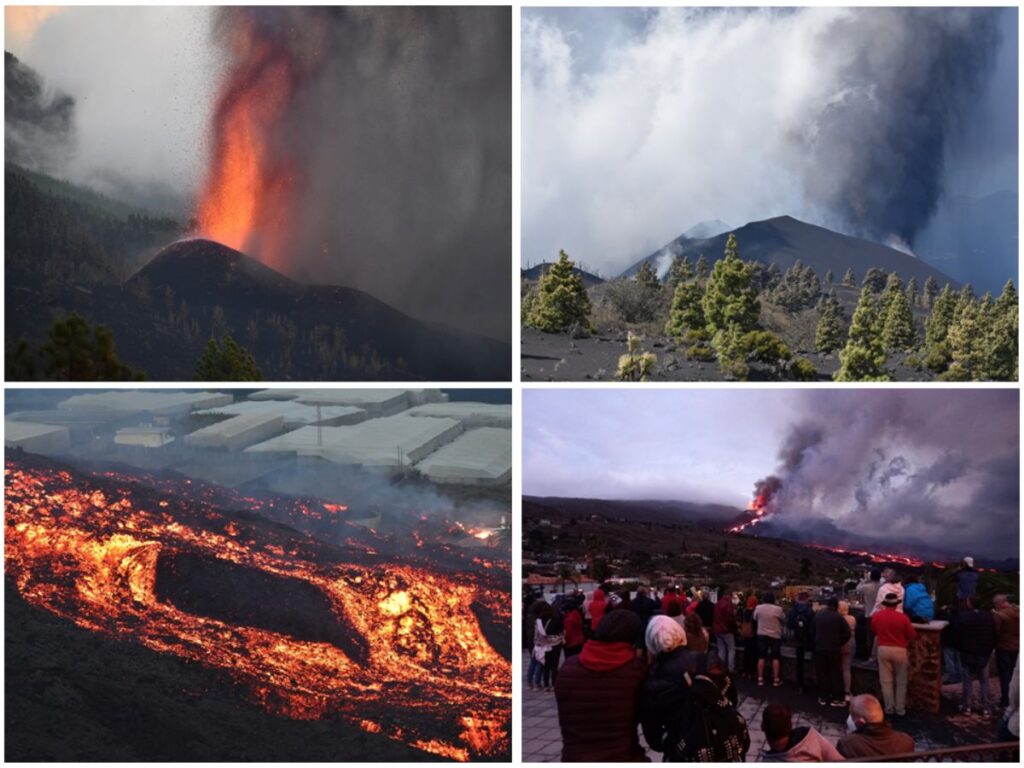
column 399, row 133
column 932, row 469
column 903, row 95
column 39, row 124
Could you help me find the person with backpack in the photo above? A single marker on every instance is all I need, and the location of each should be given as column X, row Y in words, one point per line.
column 686, row 710
column 801, row 624
column 917, row 603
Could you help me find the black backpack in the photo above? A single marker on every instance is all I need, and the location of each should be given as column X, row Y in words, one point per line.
column 707, row 728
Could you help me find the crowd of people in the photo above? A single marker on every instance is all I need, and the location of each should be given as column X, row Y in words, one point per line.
column 620, row 663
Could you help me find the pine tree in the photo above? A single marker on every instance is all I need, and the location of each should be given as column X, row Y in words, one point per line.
column 562, row 299
column 730, row 300
column 863, row 357
column 702, row 267
column 1007, row 299
column 829, row 335
column 849, row 279
column 829, row 277
column 936, row 327
column 898, row 328
column 646, row 276
column 874, row 279
column 226, row 361
column 774, row 276
column 75, row 351
column 966, row 343
column 1001, row 347
column 679, row 272
column 912, row 291
column 687, row 313
column 931, row 290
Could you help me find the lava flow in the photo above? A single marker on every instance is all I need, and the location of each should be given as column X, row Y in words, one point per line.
column 392, row 644
column 249, row 189
column 756, row 510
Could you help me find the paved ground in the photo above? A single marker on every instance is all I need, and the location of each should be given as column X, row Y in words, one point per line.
column 542, row 740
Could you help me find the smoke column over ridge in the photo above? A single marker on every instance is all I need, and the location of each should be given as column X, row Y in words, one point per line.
column 844, row 117
column 384, row 151
column 915, row 468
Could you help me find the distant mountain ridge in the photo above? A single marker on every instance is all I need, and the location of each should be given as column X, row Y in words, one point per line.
column 537, row 271
column 785, row 240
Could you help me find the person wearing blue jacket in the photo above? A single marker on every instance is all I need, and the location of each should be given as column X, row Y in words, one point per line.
column 917, row 603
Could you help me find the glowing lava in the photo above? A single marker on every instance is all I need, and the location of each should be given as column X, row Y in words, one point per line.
column 86, row 547
column 247, row 197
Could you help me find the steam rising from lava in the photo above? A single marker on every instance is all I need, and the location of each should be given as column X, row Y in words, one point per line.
column 405, row 654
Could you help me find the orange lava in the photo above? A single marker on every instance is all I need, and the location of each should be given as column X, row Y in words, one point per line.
column 86, row 548
column 247, row 196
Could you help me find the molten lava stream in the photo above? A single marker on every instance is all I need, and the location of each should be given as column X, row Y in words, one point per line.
column 429, row 678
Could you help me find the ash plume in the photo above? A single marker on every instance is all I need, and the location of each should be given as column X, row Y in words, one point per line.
column 39, row 122
column 857, row 119
column 902, row 466
column 396, row 148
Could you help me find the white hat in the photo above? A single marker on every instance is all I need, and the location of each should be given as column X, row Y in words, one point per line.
column 969, row 561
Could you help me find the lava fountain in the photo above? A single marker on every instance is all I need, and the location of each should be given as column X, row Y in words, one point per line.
column 397, row 644
column 248, row 194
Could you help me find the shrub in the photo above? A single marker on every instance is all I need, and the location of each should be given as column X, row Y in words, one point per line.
column 802, row 369
column 635, row 365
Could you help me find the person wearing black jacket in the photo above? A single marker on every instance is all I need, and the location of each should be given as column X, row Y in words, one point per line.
column 831, row 633
column 976, row 638
column 801, row 624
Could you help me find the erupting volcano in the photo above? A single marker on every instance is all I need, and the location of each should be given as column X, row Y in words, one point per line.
column 398, row 645
column 248, row 194
column 756, row 510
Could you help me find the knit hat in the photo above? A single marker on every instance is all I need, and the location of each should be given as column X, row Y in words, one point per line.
column 618, row 627
column 663, row 634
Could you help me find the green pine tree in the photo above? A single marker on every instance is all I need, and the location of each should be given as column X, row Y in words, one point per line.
column 75, row 351
column 966, row 342
column 829, row 277
column 863, row 357
column 680, row 271
column 939, row 319
column 1001, row 347
column 687, row 313
column 730, row 300
column 828, row 336
column 912, row 291
column 931, row 290
column 226, row 361
column 702, row 267
column 874, row 279
column 898, row 327
column 849, row 279
column 562, row 299
column 646, row 276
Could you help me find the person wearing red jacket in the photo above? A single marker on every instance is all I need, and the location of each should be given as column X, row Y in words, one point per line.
column 597, row 609
column 894, row 632
column 573, row 625
column 598, row 694
column 724, row 630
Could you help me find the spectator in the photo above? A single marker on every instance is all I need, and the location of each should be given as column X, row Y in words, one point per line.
column 533, row 608
column 895, row 633
column 769, row 618
column 966, row 579
column 684, row 713
column 598, row 695
column 696, row 635
column 643, row 606
column 869, row 734
column 598, row 605
column 1009, row 727
column 801, row 624
column 1007, row 616
column 786, row 744
column 890, row 584
column 542, row 643
column 706, row 610
column 672, row 593
column 573, row 622
column 977, row 639
column 675, row 612
column 724, row 629
column 831, row 633
column 868, row 591
column 846, row 653
column 917, row 603
column 748, row 635
column 950, row 649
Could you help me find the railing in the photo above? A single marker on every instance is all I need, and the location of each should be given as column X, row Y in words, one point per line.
column 1003, row 752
